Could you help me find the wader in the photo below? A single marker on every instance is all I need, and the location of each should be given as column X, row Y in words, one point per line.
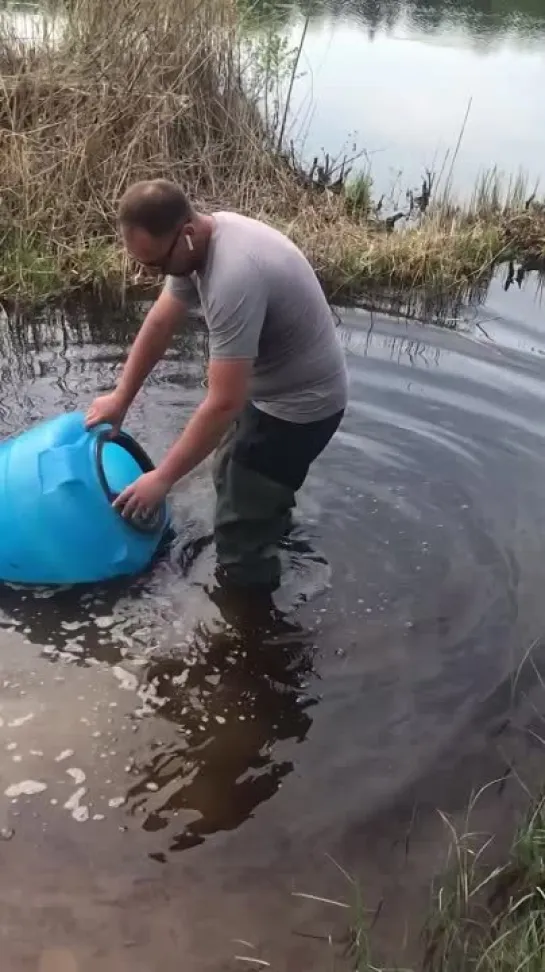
column 259, row 466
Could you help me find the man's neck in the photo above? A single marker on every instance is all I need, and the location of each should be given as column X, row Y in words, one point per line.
column 205, row 229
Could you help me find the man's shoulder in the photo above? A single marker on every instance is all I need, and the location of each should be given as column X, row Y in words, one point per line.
column 230, row 223
column 235, row 253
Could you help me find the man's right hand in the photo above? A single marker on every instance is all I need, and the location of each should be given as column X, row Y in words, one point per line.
column 110, row 408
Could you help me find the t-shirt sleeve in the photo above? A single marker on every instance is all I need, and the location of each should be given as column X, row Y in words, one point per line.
column 235, row 316
column 181, row 287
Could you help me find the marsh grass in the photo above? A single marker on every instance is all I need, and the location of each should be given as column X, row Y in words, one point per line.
column 487, row 910
column 485, row 917
column 108, row 93
column 491, row 918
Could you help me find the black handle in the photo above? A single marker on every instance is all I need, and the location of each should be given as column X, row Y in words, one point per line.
column 125, row 441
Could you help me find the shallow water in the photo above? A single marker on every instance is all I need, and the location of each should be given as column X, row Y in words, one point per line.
column 171, row 780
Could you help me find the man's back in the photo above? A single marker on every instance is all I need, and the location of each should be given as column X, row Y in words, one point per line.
column 261, row 299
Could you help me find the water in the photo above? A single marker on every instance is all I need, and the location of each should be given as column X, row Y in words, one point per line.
column 169, row 781
column 169, row 778
column 396, row 79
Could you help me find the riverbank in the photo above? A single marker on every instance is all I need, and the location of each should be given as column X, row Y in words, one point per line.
column 484, row 910
column 491, row 916
column 454, row 875
column 487, row 912
column 113, row 93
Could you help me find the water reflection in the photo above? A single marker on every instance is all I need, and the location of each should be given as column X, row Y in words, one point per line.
column 214, row 703
column 192, row 733
column 237, row 695
column 525, row 18
column 232, row 692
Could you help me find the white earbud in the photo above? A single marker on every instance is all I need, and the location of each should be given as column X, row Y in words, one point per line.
column 189, row 242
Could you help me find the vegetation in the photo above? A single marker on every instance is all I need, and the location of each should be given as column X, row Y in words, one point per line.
column 107, row 93
column 485, row 917
column 492, row 918
column 110, row 93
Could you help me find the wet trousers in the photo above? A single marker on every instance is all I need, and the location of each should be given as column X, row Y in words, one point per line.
column 259, row 466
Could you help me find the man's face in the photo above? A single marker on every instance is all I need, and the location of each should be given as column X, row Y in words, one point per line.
column 170, row 254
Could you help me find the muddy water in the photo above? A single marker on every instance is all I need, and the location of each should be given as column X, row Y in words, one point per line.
column 170, row 778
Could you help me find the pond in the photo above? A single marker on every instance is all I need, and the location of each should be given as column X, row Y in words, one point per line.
column 170, row 779
column 397, row 79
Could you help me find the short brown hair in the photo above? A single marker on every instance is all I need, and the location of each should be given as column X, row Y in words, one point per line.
column 155, row 205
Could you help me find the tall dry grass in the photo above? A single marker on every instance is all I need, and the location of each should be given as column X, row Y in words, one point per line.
column 111, row 91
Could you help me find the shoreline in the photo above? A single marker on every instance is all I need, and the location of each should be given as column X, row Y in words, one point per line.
column 445, row 258
column 456, row 884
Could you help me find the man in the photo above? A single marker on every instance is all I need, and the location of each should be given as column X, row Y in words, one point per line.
column 277, row 384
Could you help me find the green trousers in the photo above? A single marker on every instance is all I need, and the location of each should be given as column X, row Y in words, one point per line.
column 258, row 467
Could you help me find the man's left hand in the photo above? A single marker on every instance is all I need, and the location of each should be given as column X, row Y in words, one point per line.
column 142, row 497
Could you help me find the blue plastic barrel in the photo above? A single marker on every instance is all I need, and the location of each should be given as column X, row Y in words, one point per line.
column 57, row 522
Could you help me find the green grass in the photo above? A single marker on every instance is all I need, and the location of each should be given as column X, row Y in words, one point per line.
column 358, row 194
column 492, row 918
column 487, row 910
column 485, row 916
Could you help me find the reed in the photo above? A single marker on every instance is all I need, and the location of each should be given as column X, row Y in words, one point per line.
column 107, row 93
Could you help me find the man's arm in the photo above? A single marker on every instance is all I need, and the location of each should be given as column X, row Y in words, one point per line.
column 227, row 393
column 150, row 344
column 235, row 320
column 228, row 383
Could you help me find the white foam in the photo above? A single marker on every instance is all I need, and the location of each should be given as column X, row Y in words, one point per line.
column 15, row 723
column 66, row 753
column 79, row 812
column 127, row 680
column 116, row 802
column 104, row 622
column 25, row 788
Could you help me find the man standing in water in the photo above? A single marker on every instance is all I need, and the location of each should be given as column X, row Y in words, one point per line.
column 277, row 384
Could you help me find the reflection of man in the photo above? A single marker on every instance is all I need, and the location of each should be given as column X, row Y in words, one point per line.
column 235, row 697
column 276, row 379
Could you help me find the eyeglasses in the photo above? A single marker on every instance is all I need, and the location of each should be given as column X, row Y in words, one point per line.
column 161, row 265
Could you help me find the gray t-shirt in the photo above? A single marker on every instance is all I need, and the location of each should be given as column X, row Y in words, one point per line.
column 262, row 301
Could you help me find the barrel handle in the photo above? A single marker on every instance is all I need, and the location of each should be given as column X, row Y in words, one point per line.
column 126, row 441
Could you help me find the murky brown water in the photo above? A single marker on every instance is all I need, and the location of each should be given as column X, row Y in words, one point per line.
column 171, row 781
